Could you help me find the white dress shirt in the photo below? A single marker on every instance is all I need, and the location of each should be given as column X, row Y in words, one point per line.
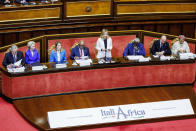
column 100, row 45
column 177, row 46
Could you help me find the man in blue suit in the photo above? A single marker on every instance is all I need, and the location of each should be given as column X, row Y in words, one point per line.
column 161, row 47
column 79, row 51
column 134, row 48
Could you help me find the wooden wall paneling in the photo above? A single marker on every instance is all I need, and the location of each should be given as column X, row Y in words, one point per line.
column 1, row 39
column 87, row 8
column 44, row 50
column 175, row 29
column 162, row 28
column 135, row 27
column 56, row 31
column 64, row 31
column 33, row 14
column 24, row 36
column 95, row 29
column 155, row 8
column 79, row 30
column 10, row 38
column 125, row 27
column 149, row 27
column 110, row 28
column 38, row 33
column 188, row 30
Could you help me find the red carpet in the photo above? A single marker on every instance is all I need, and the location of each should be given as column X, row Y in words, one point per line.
column 10, row 120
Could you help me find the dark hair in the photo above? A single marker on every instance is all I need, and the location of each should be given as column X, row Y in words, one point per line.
column 56, row 43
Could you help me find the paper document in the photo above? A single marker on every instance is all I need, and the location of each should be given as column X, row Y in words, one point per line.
column 18, row 63
column 61, row 65
column 133, row 57
column 83, row 62
column 21, row 69
column 184, row 56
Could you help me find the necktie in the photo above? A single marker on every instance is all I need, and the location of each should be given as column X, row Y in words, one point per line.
column 14, row 58
column 80, row 52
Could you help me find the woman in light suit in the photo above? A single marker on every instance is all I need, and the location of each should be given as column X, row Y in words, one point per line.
column 58, row 55
column 32, row 54
column 104, row 45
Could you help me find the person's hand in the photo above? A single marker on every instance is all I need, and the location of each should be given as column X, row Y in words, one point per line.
column 103, row 50
column 87, row 57
column 161, row 53
column 7, row 1
column 180, row 51
column 76, row 58
column 126, row 57
column 135, row 48
column 10, row 66
column 19, row 66
column 109, row 49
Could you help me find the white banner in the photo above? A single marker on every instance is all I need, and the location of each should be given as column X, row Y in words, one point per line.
column 108, row 114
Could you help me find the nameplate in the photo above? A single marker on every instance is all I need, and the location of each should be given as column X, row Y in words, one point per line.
column 119, row 113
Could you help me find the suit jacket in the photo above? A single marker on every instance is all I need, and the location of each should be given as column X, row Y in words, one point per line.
column 9, row 59
column 53, row 56
column 31, row 59
column 75, row 52
column 129, row 50
column 156, row 48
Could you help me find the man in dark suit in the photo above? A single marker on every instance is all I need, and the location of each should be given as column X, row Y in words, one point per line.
column 80, row 51
column 13, row 56
column 161, row 47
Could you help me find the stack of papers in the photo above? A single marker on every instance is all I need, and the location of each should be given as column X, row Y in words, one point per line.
column 61, row 65
column 83, row 62
column 185, row 56
column 139, row 58
column 144, row 59
column 35, row 68
column 133, row 57
column 21, row 69
column 163, row 58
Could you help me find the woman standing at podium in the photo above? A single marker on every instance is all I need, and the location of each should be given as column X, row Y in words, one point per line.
column 58, row 55
column 104, row 46
column 32, row 54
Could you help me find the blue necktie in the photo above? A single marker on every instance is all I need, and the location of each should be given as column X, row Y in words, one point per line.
column 14, row 58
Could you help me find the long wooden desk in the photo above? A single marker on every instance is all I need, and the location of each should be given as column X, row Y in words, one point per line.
column 35, row 110
column 96, row 77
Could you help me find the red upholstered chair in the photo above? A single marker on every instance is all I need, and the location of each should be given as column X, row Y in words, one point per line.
column 173, row 41
column 151, row 43
column 52, row 47
column 74, row 45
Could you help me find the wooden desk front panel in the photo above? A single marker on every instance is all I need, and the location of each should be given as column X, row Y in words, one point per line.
column 88, row 8
column 30, row 14
column 156, row 8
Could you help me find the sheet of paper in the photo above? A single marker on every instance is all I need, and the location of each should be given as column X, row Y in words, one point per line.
column 18, row 63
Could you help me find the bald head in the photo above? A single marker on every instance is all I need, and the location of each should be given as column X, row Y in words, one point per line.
column 81, row 43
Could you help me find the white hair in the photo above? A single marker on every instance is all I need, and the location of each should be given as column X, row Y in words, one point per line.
column 30, row 43
column 14, row 48
column 137, row 40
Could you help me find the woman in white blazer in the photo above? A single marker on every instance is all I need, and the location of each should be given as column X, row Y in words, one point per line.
column 104, row 45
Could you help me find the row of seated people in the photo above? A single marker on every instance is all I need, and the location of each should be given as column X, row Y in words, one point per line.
column 103, row 47
column 23, row 2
